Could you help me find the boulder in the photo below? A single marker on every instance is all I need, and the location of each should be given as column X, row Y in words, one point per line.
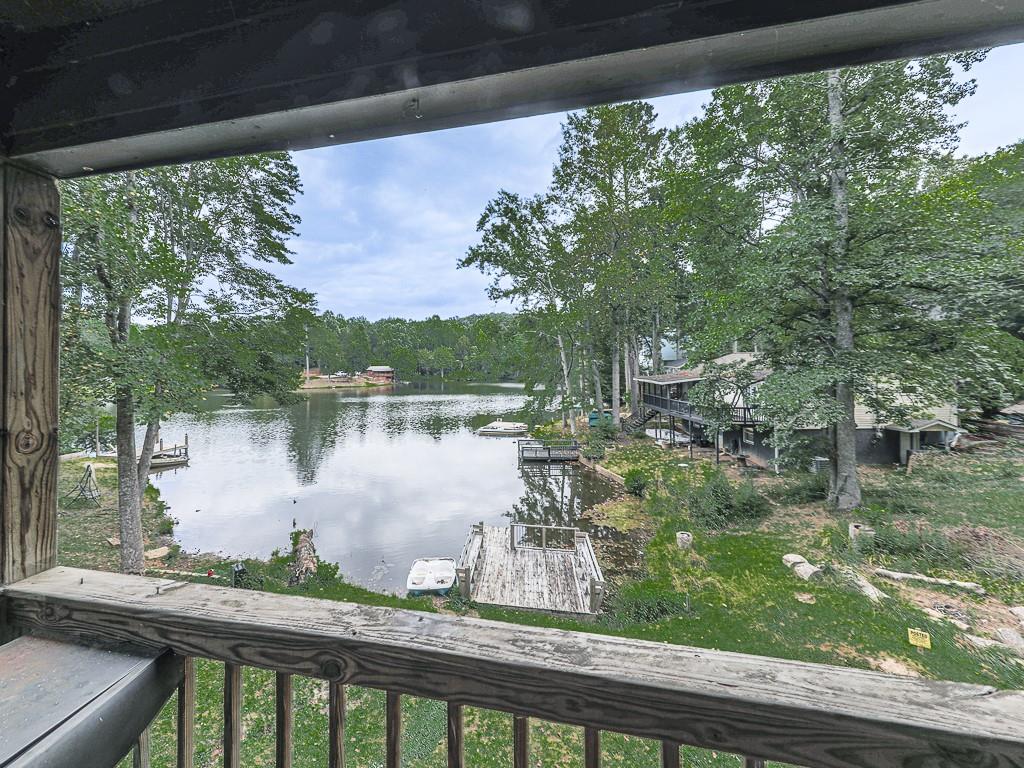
column 1010, row 637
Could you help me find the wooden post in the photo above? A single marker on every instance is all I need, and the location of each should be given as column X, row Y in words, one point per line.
column 543, row 537
column 336, row 725
column 140, row 752
column 456, row 750
column 232, row 715
column 393, row 729
column 520, row 742
column 284, row 721
column 30, row 295
column 670, row 755
column 591, row 748
column 187, row 714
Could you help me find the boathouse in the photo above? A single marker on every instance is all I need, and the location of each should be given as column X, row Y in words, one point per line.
column 89, row 658
column 382, row 374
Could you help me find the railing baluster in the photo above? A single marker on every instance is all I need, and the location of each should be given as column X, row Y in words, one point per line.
column 670, row 755
column 284, row 721
column 140, row 752
column 336, row 725
column 187, row 714
column 232, row 715
column 393, row 725
column 520, row 742
column 591, row 748
column 456, row 751
column 753, row 762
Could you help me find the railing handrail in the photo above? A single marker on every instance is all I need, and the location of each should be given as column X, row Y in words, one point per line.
column 741, row 414
column 797, row 712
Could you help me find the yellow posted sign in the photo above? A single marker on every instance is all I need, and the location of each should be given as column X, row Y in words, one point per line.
column 919, row 638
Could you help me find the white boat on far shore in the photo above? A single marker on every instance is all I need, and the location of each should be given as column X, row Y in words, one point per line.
column 503, row 428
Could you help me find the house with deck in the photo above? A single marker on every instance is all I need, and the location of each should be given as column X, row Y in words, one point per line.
column 747, row 434
column 380, row 374
column 88, row 658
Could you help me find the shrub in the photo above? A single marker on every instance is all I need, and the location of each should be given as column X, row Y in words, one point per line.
column 803, row 488
column 605, row 430
column 644, row 603
column 897, row 498
column 635, row 482
column 593, row 447
column 716, row 503
column 919, row 545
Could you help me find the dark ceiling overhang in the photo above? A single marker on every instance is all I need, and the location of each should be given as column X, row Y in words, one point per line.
column 97, row 85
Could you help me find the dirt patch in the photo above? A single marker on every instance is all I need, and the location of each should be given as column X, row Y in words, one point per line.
column 984, row 615
column 894, row 666
column 623, row 514
column 995, row 553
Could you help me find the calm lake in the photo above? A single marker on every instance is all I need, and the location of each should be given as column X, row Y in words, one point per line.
column 383, row 477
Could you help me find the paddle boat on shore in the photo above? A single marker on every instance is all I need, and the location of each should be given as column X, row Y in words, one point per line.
column 431, row 576
column 501, row 428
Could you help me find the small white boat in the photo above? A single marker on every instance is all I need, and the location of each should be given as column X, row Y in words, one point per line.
column 431, row 575
column 501, row 428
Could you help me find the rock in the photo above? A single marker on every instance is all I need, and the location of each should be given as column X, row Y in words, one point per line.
column 963, row 626
column 1018, row 611
column 1010, row 637
column 684, row 539
column 982, row 642
column 790, row 560
column 806, row 597
column 153, row 554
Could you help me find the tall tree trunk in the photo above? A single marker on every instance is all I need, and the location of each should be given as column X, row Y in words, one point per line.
column 616, row 394
column 595, row 371
column 627, row 366
column 633, row 349
column 845, row 492
column 128, row 500
column 146, row 456
column 566, row 383
column 656, row 343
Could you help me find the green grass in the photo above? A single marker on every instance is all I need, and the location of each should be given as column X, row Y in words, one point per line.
column 730, row 592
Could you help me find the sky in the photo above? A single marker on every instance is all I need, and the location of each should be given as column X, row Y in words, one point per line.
column 385, row 222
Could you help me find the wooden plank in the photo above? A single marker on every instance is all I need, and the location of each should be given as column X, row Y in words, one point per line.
column 284, row 721
column 141, row 751
column 232, row 715
column 456, row 740
column 591, row 748
column 97, row 705
column 393, row 729
column 670, row 755
column 789, row 711
column 520, row 742
column 203, row 78
column 753, row 762
column 336, row 725
column 187, row 714
column 30, row 286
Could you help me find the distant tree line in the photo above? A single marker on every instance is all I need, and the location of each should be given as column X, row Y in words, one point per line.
column 489, row 346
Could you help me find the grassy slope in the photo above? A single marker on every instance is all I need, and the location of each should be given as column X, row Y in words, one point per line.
column 741, row 598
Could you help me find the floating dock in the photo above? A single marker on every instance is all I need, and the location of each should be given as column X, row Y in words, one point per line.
column 535, row 567
column 549, row 450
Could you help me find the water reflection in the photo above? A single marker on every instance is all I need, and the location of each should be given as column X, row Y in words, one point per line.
column 382, row 477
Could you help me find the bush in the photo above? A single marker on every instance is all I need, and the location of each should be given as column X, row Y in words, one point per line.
column 635, row 482
column 593, row 447
column 803, row 488
column 716, row 504
column 605, row 430
column 896, row 498
column 644, row 603
column 919, row 546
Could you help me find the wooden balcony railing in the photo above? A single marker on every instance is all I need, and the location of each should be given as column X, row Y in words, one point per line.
column 760, row 708
column 685, row 409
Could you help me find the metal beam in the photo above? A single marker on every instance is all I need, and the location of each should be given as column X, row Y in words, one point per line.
column 141, row 88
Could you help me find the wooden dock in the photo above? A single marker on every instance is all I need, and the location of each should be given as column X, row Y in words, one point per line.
column 535, row 567
column 549, row 450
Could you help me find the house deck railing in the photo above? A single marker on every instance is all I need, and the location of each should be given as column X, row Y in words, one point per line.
column 760, row 708
column 687, row 410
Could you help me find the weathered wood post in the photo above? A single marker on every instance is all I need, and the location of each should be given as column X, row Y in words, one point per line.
column 30, row 292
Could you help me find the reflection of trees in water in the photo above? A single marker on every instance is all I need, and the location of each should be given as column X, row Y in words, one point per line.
column 556, row 493
column 312, row 435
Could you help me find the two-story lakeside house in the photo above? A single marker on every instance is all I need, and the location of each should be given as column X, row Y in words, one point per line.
column 749, row 435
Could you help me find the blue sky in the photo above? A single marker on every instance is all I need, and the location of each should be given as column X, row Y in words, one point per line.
column 384, row 222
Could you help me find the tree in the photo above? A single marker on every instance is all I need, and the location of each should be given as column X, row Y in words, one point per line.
column 853, row 256
column 169, row 260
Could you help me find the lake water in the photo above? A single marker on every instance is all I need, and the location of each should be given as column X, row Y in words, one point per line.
column 382, row 477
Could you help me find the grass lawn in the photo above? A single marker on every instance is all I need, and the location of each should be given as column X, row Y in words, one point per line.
column 730, row 592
